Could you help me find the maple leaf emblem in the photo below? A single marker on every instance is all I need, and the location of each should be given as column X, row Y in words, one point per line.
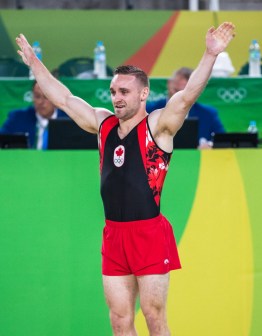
column 119, row 152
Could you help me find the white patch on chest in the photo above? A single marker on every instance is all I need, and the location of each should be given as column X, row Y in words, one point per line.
column 119, row 156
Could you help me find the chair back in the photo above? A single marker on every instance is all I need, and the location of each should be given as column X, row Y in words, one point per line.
column 245, row 69
column 10, row 67
column 80, row 67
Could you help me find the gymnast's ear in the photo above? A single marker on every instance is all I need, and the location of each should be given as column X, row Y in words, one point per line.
column 144, row 94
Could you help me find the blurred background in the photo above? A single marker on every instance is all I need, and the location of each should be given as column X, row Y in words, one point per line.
column 132, row 4
column 157, row 39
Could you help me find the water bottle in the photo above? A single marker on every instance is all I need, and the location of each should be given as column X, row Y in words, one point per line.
column 252, row 128
column 100, row 60
column 37, row 49
column 38, row 52
column 254, row 59
column 204, row 143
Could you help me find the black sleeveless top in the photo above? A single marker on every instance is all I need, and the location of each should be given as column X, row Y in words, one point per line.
column 133, row 170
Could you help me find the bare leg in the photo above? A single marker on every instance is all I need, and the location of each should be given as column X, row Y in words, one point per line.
column 121, row 293
column 153, row 296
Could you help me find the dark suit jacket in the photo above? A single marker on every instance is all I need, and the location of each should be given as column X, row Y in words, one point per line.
column 24, row 121
column 208, row 119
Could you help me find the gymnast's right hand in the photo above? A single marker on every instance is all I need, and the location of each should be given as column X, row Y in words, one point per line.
column 26, row 51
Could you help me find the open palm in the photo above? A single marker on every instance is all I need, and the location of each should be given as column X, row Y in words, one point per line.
column 218, row 39
column 26, row 51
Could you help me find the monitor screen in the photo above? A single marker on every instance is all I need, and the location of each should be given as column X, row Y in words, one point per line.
column 14, row 141
column 235, row 140
column 64, row 133
column 187, row 136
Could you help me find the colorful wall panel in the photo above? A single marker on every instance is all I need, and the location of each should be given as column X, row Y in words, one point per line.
column 158, row 41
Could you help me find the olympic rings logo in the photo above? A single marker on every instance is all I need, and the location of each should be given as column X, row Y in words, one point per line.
column 232, row 95
column 28, row 96
column 153, row 96
column 119, row 156
column 118, row 161
column 103, row 95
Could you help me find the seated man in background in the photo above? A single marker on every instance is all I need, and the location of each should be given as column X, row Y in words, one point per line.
column 33, row 119
column 208, row 118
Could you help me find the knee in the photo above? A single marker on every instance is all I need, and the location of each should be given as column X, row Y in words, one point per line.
column 153, row 310
column 121, row 322
column 155, row 318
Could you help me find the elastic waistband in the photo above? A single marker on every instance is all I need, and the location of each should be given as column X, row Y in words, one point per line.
column 138, row 223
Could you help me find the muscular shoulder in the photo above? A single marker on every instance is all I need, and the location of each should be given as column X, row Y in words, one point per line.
column 153, row 119
column 102, row 114
column 162, row 138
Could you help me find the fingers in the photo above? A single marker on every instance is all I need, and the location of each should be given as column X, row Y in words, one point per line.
column 211, row 30
column 224, row 33
column 218, row 39
column 227, row 28
column 21, row 40
column 226, row 25
column 24, row 48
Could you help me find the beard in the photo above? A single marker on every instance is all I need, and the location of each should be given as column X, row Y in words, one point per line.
column 123, row 112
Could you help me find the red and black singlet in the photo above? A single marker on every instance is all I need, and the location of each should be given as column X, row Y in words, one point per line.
column 133, row 171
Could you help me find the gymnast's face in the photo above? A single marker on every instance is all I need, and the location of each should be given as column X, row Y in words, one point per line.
column 128, row 96
column 42, row 105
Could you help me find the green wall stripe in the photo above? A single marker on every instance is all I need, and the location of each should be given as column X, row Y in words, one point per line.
column 123, row 32
column 51, row 222
column 180, row 187
column 7, row 47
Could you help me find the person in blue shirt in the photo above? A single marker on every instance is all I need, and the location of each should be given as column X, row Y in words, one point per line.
column 33, row 119
column 208, row 117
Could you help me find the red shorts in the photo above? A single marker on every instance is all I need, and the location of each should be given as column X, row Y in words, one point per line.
column 139, row 247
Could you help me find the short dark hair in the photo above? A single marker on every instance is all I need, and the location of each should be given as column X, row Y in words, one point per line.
column 134, row 71
column 183, row 72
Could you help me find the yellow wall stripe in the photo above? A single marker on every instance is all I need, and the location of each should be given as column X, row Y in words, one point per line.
column 212, row 294
column 177, row 52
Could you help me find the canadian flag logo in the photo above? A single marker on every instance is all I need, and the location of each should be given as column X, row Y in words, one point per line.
column 119, row 156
